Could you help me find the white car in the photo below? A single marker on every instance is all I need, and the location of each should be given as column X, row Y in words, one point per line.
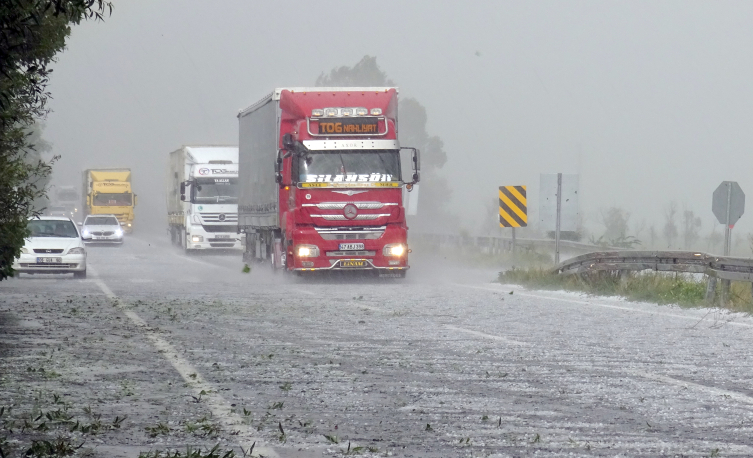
column 54, row 246
column 102, row 229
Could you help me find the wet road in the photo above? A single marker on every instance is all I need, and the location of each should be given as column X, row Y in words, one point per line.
column 444, row 363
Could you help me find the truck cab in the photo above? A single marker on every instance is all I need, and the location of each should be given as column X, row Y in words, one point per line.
column 202, row 197
column 335, row 202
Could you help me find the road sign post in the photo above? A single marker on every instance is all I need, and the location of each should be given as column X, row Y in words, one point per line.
column 559, row 219
column 728, row 205
column 558, row 206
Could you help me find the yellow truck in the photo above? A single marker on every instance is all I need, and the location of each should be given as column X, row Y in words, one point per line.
column 109, row 192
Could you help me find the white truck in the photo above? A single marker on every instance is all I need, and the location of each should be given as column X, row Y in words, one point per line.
column 202, row 197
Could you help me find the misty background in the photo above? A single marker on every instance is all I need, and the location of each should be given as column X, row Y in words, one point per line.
column 650, row 102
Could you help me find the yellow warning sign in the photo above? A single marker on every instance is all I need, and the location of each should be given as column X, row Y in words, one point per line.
column 513, row 208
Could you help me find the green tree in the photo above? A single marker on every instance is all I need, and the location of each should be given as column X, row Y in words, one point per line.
column 435, row 190
column 32, row 32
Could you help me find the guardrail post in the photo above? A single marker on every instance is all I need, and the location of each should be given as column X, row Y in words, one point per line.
column 725, row 291
column 710, row 290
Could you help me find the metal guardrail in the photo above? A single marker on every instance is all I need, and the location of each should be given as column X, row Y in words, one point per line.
column 721, row 267
column 503, row 244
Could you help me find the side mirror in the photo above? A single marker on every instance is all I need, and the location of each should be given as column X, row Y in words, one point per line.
column 135, row 199
column 288, row 142
column 415, row 166
column 80, row 223
column 183, row 192
column 278, row 164
column 88, row 201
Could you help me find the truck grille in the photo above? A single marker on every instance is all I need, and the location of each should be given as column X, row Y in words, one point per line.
column 354, row 233
column 341, row 205
column 222, row 245
column 219, row 217
column 46, row 250
column 220, row 228
column 362, row 217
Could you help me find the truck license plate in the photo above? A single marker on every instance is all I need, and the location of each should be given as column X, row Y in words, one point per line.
column 222, row 236
column 351, row 246
column 49, row 260
column 353, row 263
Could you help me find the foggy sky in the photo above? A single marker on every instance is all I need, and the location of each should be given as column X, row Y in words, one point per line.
column 650, row 102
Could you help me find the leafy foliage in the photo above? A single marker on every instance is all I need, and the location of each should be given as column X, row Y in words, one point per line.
column 33, row 32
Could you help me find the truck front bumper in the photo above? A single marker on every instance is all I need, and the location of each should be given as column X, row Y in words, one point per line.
column 349, row 254
column 199, row 239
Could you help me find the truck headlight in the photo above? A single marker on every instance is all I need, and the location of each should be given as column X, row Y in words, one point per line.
column 129, row 224
column 197, row 238
column 307, row 251
column 77, row 250
column 394, row 249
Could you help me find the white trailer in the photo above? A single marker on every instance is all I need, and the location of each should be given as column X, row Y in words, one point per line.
column 202, row 197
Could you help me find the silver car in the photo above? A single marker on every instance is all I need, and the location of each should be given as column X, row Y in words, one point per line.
column 52, row 247
column 102, row 229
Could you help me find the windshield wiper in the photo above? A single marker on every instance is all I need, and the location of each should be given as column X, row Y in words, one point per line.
column 379, row 155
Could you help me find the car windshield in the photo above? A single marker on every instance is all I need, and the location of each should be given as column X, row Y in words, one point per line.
column 104, row 199
column 52, row 228
column 349, row 166
column 101, row 221
column 215, row 191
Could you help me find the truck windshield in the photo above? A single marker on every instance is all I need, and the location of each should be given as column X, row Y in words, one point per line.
column 349, row 166
column 104, row 199
column 51, row 228
column 215, row 191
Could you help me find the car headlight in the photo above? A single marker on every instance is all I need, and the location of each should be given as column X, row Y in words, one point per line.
column 197, row 238
column 86, row 233
column 307, row 251
column 24, row 250
column 119, row 232
column 77, row 250
column 394, row 249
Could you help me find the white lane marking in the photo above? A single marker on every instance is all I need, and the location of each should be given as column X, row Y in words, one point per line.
column 488, row 336
column 219, row 406
column 685, row 384
column 643, row 374
column 186, row 258
column 448, row 326
column 615, row 307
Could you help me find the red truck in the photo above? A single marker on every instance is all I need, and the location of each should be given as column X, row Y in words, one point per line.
column 320, row 181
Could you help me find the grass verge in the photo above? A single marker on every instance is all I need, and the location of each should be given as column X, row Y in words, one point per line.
column 658, row 287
